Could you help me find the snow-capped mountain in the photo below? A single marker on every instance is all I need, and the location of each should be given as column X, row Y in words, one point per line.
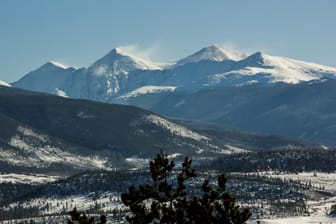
column 119, row 73
column 2, row 83
column 186, row 88
column 276, row 69
column 212, row 53
column 54, row 76
column 119, row 61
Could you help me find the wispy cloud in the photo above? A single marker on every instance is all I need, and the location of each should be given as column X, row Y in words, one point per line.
column 147, row 52
column 232, row 46
column 66, row 63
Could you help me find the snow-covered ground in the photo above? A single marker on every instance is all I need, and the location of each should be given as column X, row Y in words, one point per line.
column 110, row 203
column 319, row 209
column 55, row 209
column 318, row 214
column 175, row 128
column 317, row 179
column 26, row 178
column 319, row 219
column 37, row 150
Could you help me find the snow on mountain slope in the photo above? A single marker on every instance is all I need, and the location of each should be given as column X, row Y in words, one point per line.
column 32, row 149
column 2, row 83
column 146, row 90
column 171, row 127
column 118, row 61
column 266, row 69
column 121, row 74
column 48, row 78
column 212, row 53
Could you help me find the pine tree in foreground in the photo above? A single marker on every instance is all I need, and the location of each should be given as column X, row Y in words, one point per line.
column 80, row 218
column 166, row 200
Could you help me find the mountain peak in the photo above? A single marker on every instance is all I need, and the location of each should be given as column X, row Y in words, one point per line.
column 213, row 53
column 117, row 52
column 122, row 51
column 119, row 61
column 53, row 65
column 257, row 58
column 282, row 69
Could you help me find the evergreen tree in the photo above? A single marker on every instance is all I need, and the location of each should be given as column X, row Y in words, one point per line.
column 80, row 218
column 333, row 210
column 162, row 202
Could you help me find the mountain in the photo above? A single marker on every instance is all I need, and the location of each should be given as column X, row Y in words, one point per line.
column 212, row 53
column 45, row 134
column 213, row 85
column 55, row 76
column 304, row 111
column 99, row 127
column 119, row 72
column 280, row 69
column 119, row 61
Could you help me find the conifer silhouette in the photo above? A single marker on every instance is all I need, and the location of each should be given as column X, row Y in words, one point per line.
column 80, row 218
column 166, row 200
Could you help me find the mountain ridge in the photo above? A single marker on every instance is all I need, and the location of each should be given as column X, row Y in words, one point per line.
column 121, row 78
column 43, row 132
column 110, row 68
column 212, row 53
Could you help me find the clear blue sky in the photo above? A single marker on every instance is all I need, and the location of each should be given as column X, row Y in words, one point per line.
column 78, row 32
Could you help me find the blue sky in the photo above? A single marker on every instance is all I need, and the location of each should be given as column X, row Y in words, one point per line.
column 78, row 32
